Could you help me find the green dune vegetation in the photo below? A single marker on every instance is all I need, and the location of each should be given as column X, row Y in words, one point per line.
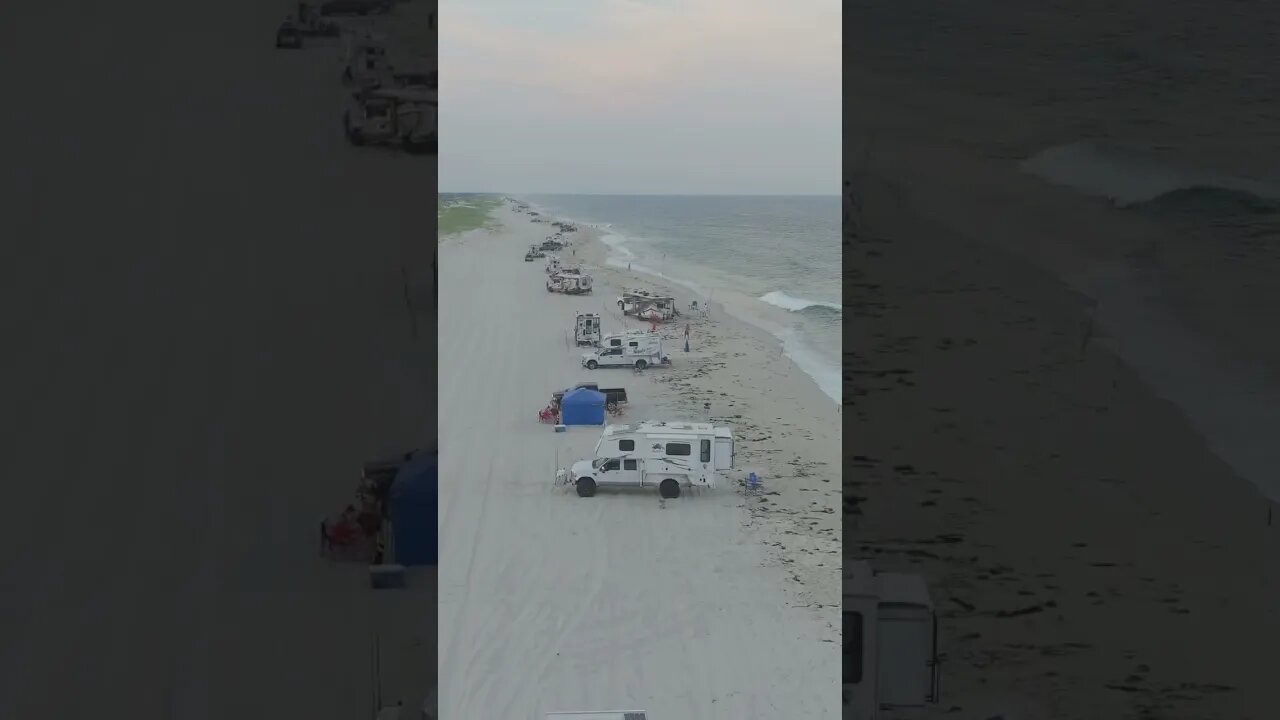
column 460, row 213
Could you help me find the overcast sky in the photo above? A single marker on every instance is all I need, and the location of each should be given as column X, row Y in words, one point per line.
column 636, row 96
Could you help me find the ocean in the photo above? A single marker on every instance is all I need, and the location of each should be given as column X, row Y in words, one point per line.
column 1167, row 111
column 772, row 261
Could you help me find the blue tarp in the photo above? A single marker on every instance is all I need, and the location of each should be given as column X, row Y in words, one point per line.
column 414, row 498
column 582, row 406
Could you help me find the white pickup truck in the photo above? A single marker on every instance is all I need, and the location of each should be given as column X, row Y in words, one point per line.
column 638, row 353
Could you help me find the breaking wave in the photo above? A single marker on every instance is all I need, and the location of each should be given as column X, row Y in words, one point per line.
column 1136, row 179
column 1210, row 201
column 794, row 304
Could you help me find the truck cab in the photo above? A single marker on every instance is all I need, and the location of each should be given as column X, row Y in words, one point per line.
column 638, row 351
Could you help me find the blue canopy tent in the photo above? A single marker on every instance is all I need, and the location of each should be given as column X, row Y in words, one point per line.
column 582, row 406
column 414, row 498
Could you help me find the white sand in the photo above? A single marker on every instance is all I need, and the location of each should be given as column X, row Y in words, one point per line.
column 205, row 335
column 554, row 602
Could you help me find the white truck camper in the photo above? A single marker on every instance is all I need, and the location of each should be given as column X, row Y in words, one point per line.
column 668, row 455
column 890, row 642
column 569, row 283
column 586, row 329
column 630, row 338
column 639, row 351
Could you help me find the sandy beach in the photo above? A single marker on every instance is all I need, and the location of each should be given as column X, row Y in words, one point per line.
column 1092, row 548
column 720, row 604
column 206, row 335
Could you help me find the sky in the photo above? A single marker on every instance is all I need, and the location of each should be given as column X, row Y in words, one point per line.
column 640, row 96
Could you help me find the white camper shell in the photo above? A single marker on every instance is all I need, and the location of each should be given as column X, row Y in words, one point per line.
column 365, row 61
column 626, row 337
column 668, row 455
column 586, row 329
column 890, row 642
column 638, row 351
column 599, row 715
column 569, row 283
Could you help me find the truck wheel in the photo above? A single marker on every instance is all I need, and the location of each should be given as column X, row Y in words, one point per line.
column 591, row 364
column 587, row 487
column 669, row 488
column 640, row 364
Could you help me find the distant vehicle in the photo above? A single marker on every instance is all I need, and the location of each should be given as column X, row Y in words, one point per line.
column 392, row 116
column 425, row 79
column 668, row 455
column 890, row 639
column 533, row 254
column 356, row 7
column 650, row 306
column 310, row 25
column 569, row 283
column 586, row 329
column 639, row 352
column 365, row 62
column 288, row 36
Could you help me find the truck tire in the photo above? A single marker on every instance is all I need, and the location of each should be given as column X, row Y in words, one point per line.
column 640, row 364
column 669, row 488
column 591, row 365
column 586, row 486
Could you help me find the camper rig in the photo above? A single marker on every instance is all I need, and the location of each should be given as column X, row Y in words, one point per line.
column 666, row 455
column 569, row 283
column 586, row 329
column 890, row 638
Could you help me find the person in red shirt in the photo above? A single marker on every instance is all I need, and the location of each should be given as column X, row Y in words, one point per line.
column 342, row 531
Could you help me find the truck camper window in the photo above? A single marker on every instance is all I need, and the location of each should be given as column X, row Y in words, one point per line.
column 705, row 451
column 626, row 445
column 852, row 632
column 680, row 449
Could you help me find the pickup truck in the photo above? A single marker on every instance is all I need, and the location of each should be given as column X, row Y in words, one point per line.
column 612, row 396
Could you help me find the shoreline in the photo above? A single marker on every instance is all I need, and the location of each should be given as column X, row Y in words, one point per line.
column 769, row 318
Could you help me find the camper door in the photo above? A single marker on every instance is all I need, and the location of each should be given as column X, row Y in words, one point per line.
column 906, row 650
column 724, row 453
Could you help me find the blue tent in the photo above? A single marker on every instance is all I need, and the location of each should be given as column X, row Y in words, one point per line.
column 414, row 497
column 582, row 406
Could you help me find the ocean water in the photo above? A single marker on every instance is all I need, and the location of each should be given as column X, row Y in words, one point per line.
column 1169, row 111
column 771, row 261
